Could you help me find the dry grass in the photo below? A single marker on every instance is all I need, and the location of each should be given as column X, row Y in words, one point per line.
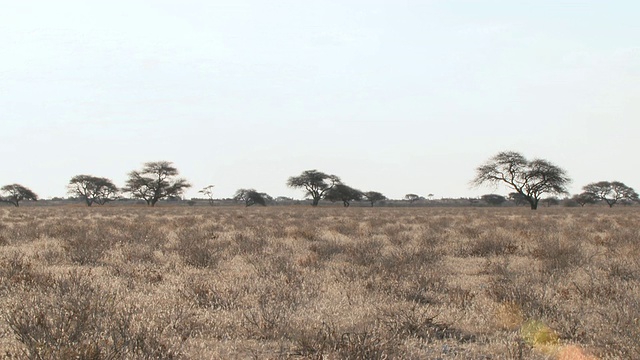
column 327, row 283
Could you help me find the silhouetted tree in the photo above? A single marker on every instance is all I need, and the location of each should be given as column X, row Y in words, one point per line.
column 611, row 192
column 156, row 180
column 315, row 183
column 344, row 193
column 493, row 199
column 15, row 193
column 584, row 198
column 374, row 196
column 92, row 189
column 531, row 179
column 208, row 192
column 412, row 198
column 251, row 197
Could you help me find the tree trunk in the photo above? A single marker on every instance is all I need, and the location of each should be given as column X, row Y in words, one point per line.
column 315, row 201
column 534, row 204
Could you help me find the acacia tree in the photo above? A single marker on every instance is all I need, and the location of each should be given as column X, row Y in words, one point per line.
column 531, row 179
column 208, row 192
column 251, row 197
column 15, row 193
column 93, row 189
column 344, row 193
column 610, row 192
column 316, row 184
column 157, row 180
column 374, row 196
column 584, row 198
column 412, row 198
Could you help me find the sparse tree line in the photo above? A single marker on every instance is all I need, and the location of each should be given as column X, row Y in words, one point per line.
column 530, row 180
column 154, row 182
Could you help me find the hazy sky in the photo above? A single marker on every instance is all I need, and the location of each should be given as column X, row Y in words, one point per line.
column 393, row 96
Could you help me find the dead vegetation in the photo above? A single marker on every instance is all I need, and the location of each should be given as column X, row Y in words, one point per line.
column 326, row 283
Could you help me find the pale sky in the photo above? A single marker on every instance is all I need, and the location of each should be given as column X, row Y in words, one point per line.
column 393, row 96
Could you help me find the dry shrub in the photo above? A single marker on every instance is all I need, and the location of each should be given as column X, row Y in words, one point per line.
column 16, row 270
column 3, row 238
column 213, row 295
column 558, row 254
column 618, row 330
column 22, row 232
column 72, row 318
column 200, row 247
column 223, row 282
column 65, row 321
column 142, row 230
column 527, row 292
column 326, row 249
column 269, row 319
column 364, row 253
column 493, row 244
column 137, row 274
column 326, row 341
column 139, row 253
column 85, row 244
column 303, row 232
column 250, row 241
column 416, row 320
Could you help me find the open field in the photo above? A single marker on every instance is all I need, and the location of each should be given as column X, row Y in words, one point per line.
column 331, row 283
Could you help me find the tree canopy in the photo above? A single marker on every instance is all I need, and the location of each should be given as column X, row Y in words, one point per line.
column 412, row 198
column 374, row 196
column 156, row 180
column 531, row 179
column 93, row 189
column 315, row 183
column 584, row 198
column 15, row 193
column 208, row 192
column 344, row 193
column 610, row 192
column 251, row 197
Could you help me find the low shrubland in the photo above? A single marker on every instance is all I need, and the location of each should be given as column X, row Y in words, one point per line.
column 319, row 283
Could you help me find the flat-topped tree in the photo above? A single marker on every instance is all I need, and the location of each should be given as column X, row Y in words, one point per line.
column 584, row 198
column 93, row 189
column 530, row 179
column 344, row 193
column 208, row 192
column 251, row 197
column 15, row 193
column 315, row 183
column 610, row 192
column 412, row 198
column 157, row 180
column 374, row 196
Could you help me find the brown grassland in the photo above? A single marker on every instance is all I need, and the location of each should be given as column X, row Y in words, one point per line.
column 319, row 283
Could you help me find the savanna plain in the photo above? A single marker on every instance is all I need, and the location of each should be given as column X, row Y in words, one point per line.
column 126, row 282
